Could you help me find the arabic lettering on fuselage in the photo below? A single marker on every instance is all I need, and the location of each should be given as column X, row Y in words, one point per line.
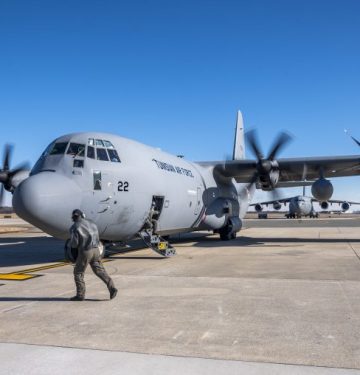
column 171, row 168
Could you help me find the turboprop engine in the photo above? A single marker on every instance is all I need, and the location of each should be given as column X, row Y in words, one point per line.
column 258, row 207
column 345, row 206
column 218, row 213
column 322, row 189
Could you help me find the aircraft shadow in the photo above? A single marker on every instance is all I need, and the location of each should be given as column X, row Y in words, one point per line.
column 159, row 257
column 26, row 251
column 260, row 241
column 241, row 241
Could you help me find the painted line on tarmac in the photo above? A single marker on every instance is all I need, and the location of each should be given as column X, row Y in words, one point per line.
column 11, row 243
column 26, row 274
column 15, row 276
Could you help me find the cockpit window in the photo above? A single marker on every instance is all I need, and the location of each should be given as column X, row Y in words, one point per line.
column 78, row 163
column 101, row 154
column 48, row 149
column 114, row 157
column 91, row 152
column 101, row 149
column 77, row 149
column 59, row 148
column 108, row 144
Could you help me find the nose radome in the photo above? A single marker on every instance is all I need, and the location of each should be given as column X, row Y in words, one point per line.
column 46, row 200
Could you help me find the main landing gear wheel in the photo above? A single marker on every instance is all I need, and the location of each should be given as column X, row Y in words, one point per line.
column 227, row 233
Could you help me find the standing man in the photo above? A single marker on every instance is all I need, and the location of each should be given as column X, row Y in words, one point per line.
column 85, row 237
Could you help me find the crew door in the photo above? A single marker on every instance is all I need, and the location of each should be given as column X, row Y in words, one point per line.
column 103, row 199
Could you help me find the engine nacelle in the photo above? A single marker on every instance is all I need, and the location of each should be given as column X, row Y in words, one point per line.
column 345, row 206
column 217, row 214
column 277, row 206
column 268, row 181
column 322, row 189
column 324, row 205
column 258, row 207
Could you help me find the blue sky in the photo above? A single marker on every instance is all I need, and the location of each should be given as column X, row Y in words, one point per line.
column 172, row 74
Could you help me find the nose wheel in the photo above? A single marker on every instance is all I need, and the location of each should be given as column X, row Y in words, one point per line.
column 227, row 233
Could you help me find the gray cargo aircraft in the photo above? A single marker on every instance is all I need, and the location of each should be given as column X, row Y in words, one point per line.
column 302, row 205
column 129, row 189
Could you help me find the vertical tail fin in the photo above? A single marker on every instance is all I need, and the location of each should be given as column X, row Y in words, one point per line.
column 239, row 143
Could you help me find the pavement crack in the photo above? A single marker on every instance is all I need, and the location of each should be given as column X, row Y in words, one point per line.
column 13, row 308
column 355, row 252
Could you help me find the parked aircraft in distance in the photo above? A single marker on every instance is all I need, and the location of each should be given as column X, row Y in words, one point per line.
column 132, row 190
column 301, row 205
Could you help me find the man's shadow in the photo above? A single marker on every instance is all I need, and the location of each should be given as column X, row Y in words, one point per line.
column 46, row 299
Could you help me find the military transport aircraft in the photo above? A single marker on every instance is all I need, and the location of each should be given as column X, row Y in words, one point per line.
column 129, row 189
column 302, row 205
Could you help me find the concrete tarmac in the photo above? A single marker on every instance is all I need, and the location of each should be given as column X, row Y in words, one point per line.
column 275, row 301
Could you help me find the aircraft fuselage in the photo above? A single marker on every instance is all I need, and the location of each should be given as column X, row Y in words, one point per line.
column 300, row 206
column 117, row 189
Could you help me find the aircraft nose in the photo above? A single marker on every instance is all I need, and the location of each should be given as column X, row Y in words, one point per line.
column 46, row 200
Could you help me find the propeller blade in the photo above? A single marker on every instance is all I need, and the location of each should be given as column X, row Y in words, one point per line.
column 253, row 142
column 6, row 174
column 282, row 140
column 276, row 194
column 22, row 167
column 3, row 176
column 253, row 180
column 355, row 140
column 267, row 169
column 2, row 192
column 7, row 156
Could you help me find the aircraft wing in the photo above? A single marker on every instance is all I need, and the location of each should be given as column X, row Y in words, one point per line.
column 292, row 169
column 336, row 201
column 266, row 203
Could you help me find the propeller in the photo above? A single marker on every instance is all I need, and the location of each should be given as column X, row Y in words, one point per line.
column 267, row 169
column 7, row 174
column 353, row 138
